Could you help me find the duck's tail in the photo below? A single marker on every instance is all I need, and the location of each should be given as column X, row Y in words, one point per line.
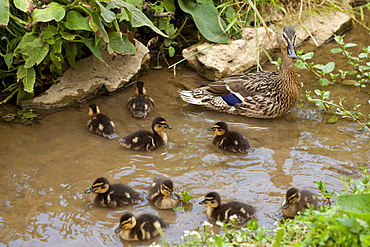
column 194, row 97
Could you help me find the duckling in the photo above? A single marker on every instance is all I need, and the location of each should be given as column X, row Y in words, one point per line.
column 112, row 195
column 145, row 140
column 229, row 140
column 262, row 94
column 297, row 200
column 162, row 194
column 144, row 227
column 222, row 212
column 100, row 124
column 140, row 104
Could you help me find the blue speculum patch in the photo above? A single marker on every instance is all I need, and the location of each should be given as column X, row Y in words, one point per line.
column 231, row 99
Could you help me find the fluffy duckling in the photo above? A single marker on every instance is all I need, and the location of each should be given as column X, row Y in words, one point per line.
column 111, row 195
column 229, row 140
column 140, row 104
column 222, row 212
column 144, row 227
column 162, row 194
column 297, row 200
column 146, row 140
column 100, row 124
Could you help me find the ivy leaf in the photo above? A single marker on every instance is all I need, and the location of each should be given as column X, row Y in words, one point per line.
column 75, row 21
column 52, row 11
column 28, row 76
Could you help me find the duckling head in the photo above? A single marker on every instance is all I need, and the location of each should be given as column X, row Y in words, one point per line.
column 140, row 88
column 219, row 128
column 100, row 186
column 167, row 189
column 93, row 109
column 288, row 41
column 126, row 222
column 292, row 197
column 159, row 124
column 212, row 199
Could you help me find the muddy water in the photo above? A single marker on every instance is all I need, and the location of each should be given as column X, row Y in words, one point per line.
column 46, row 168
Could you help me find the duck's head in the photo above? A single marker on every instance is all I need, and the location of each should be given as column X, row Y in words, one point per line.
column 219, row 128
column 159, row 124
column 288, row 41
column 100, row 186
column 93, row 109
column 140, row 88
column 167, row 189
column 126, row 222
column 212, row 199
column 292, row 197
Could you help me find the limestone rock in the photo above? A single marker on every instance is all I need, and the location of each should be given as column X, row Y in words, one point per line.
column 92, row 78
column 221, row 60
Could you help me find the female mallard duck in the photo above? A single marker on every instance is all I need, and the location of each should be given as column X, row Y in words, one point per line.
column 112, row 195
column 162, row 194
column 146, row 140
column 144, row 227
column 263, row 94
column 222, row 212
column 100, row 124
column 229, row 140
column 297, row 200
column 140, row 104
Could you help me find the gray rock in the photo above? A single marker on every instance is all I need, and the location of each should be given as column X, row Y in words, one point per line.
column 92, row 78
column 221, row 60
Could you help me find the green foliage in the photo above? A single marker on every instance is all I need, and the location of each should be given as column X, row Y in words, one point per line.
column 41, row 37
column 346, row 223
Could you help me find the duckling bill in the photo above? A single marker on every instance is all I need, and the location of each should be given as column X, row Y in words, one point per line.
column 263, row 94
column 162, row 194
column 143, row 227
column 145, row 140
column 298, row 200
column 229, row 140
column 223, row 212
column 100, row 124
column 111, row 195
column 140, row 104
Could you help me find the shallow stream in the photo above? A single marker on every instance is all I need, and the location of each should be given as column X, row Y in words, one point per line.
column 46, row 168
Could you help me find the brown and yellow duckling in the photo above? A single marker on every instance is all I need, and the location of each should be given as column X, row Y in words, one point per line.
column 100, row 124
column 222, row 212
column 143, row 227
column 297, row 200
column 229, row 140
column 140, row 104
column 146, row 140
column 262, row 94
column 162, row 194
column 112, row 195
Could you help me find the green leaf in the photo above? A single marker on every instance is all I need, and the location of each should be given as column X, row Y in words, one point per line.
column 4, row 13
column 28, row 76
column 68, row 35
column 97, row 26
column 350, row 45
column 350, row 82
column 169, row 5
column 75, row 21
column 171, row 51
column 336, row 50
column 24, row 5
column 206, row 18
column 107, row 15
column 356, row 205
column 139, row 19
column 324, row 82
column 71, row 52
column 119, row 44
column 300, row 64
column 329, row 67
column 8, row 58
column 333, row 119
column 90, row 43
column 52, row 11
column 36, row 56
column 307, row 56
